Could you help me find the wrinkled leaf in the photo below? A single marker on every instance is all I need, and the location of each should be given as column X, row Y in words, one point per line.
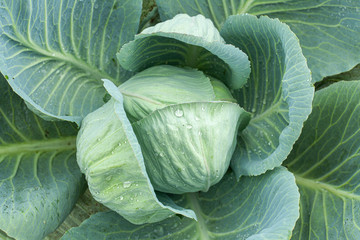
column 55, row 53
column 279, row 92
column 187, row 41
column 39, row 177
column 262, row 207
column 180, row 144
column 111, row 159
column 326, row 162
column 328, row 29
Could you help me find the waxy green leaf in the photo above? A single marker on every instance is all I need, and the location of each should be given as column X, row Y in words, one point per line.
column 328, row 29
column 262, row 207
column 39, row 178
column 326, row 162
column 55, row 53
column 279, row 92
column 187, row 41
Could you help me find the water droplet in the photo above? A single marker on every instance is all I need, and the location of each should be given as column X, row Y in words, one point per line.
column 189, row 126
column 197, row 119
column 179, row 113
column 162, row 154
column 98, row 139
column 108, row 178
column 119, row 144
column 203, row 109
column 121, row 198
column 127, row 184
column 200, row 133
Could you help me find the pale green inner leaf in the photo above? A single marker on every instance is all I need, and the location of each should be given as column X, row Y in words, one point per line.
column 112, row 161
column 180, row 144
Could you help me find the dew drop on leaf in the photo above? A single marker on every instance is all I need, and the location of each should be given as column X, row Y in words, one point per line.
column 189, row 126
column 179, row 113
column 127, row 184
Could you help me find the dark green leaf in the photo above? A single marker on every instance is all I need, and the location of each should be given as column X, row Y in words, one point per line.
column 39, row 177
column 353, row 74
column 56, row 52
column 262, row 207
column 84, row 208
column 326, row 162
column 329, row 30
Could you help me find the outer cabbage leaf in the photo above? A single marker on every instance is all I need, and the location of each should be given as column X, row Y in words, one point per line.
column 187, row 41
column 39, row 177
column 279, row 92
column 328, row 29
column 3, row 236
column 262, row 207
column 326, row 162
column 55, row 53
column 110, row 156
column 353, row 74
column 84, row 208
